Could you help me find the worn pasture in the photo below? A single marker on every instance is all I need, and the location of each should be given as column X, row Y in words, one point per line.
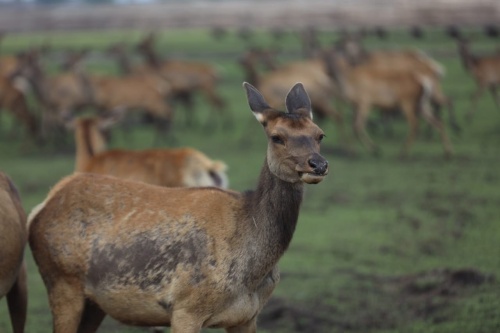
column 382, row 244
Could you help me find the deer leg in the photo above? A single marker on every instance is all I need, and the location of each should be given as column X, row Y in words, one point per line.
column 438, row 125
column 411, row 118
column 66, row 303
column 17, row 301
column 475, row 96
column 219, row 104
column 494, row 93
column 360, row 128
column 323, row 107
column 183, row 322
column 92, row 318
column 249, row 327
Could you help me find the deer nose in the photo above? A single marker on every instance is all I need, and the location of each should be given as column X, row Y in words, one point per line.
column 318, row 164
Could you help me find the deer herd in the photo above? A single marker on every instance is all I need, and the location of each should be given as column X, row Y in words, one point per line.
column 155, row 237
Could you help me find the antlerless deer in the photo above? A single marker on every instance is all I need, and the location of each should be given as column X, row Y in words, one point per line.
column 184, row 257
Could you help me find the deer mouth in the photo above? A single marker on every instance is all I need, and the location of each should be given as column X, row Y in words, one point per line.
column 311, row 177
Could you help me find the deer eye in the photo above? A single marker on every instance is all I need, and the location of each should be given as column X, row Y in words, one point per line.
column 277, row 139
column 321, row 137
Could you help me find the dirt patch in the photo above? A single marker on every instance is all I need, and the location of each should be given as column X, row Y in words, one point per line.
column 374, row 302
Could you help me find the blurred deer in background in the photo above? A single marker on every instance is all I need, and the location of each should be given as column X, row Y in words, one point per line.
column 186, row 78
column 13, row 98
column 402, row 60
column 13, row 238
column 484, row 69
column 66, row 92
column 180, row 167
column 366, row 87
column 274, row 83
column 190, row 258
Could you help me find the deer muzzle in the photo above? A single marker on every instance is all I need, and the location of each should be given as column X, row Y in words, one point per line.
column 317, row 169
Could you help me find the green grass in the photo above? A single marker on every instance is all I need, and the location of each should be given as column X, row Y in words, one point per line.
column 371, row 230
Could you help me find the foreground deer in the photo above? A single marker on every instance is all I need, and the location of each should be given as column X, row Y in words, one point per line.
column 185, row 257
column 180, row 167
column 13, row 237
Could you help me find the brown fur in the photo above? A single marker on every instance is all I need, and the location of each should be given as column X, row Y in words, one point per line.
column 185, row 77
column 13, row 237
column 368, row 86
column 185, row 257
column 14, row 100
column 274, row 84
column 179, row 167
column 133, row 92
column 485, row 70
column 401, row 60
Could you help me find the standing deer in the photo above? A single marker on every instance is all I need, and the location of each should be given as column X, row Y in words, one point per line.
column 398, row 60
column 13, row 238
column 179, row 167
column 366, row 87
column 484, row 69
column 274, row 84
column 188, row 258
column 186, row 78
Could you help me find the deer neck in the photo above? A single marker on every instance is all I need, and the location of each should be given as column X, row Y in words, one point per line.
column 272, row 211
column 341, row 74
column 151, row 58
column 468, row 58
column 40, row 85
column 89, row 142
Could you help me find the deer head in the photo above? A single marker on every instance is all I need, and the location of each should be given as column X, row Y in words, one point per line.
column 293, row 139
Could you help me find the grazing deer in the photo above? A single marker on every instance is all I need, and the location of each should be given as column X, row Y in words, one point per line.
column 180, row 167
column 484, row 69
column 366, row 87
column 182, row 257
column 13, row 238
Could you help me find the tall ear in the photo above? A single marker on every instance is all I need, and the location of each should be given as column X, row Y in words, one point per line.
column 256, row 101
column 298, row 99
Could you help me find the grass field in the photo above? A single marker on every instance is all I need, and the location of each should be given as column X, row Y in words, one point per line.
column 382, row 245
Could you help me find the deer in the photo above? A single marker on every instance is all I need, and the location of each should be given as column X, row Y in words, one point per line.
column 274, row 83
column 185, row 77
column 135, row 93
column 60, row 93
column 13, row 240
column 366, row 87
column 70, row 92
column 484, row 69
column 13, row 98
column 188, row 258
column 402, row 60
column 174, row 167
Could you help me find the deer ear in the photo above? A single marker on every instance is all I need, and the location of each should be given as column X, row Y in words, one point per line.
column 256, row 101
column 298, row 99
